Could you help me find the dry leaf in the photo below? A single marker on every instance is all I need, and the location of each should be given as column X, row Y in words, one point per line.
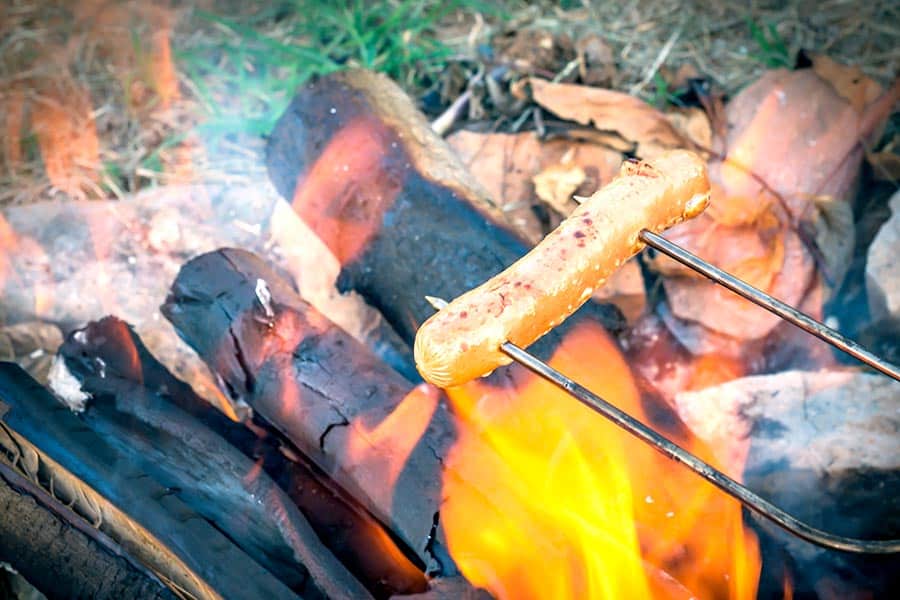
column 693, row 124
column 596, row 64
column 791, row 132
column 679, row 79
column 534, row 50
column 885, row 165
column 608, row 110
column 850, row 82
column 505, row 164
column 556, row 185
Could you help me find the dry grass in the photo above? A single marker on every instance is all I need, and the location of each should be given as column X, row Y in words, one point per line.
column 100, row 98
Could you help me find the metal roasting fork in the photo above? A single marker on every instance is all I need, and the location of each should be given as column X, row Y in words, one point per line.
column 748, row 498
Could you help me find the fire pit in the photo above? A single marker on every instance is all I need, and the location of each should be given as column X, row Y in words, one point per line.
column 219, row 398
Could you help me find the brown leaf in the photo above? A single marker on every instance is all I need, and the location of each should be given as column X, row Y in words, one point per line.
column 849, row 81
column 790, row 135
column 679, row 79
column 534, row 50
column 693, row 124
column 557, row 183
column 886, row 162
column 885, row 165
column 596, row 64
column 505, row 164
column 608, row 110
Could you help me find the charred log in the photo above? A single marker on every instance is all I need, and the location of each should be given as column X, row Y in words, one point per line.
column 218, row 482
column 49, row 445
column 318, row 386
column 392, row 201
column 60, row 554
column 113, row 365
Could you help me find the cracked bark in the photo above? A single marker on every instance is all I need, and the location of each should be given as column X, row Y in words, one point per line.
column 59, row 554
column 104, row 485
column 305, row 370
column 110, row 361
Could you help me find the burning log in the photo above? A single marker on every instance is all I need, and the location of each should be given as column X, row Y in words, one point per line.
column 111, row 362
column 48, row 444
column 62, row 555
column 391, row 200
column 215, row 480
column 51, row 253
column 366, row 426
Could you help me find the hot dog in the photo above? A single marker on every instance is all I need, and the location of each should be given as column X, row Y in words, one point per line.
column 539, row 291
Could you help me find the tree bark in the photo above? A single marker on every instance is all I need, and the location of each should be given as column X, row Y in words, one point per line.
column 59, row 554
column 47, row 443
column 115, row 368
column 319, row 387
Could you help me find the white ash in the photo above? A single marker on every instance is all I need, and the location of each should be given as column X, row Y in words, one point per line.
column 829, row 422
column 66, row 387
column 883, row 268
column 265, row 297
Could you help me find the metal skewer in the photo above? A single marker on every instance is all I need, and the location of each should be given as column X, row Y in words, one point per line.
column 733, row 488
column 760, row 298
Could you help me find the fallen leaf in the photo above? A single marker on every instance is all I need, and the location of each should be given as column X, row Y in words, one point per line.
column 693, row 124
column 679, row 79
column 835, row 236
column 886, row 163
column 790, row 136
column 505, row 163
column 608, row 110
column 596, row 64
column 849, row 81
column 534, row 50
column 556, row 185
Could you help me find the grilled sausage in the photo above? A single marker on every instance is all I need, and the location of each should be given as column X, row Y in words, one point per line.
column 536, row 293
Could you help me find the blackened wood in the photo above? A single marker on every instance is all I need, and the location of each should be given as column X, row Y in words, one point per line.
column 362, row 167
column 217, row 481
column 70, row 262
column 59, row 554
column 50, row 445
column 312, row 381
column 109, row 360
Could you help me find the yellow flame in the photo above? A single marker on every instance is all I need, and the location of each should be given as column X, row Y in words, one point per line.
column 546, row 499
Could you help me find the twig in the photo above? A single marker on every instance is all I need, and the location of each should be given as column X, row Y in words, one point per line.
column 660, row 59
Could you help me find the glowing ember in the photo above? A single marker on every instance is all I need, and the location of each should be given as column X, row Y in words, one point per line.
column 353, row 177
column 565, row 505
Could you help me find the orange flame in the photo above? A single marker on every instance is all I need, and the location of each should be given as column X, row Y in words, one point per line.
column 546, row 499
column 353, row 177
column 382, row 450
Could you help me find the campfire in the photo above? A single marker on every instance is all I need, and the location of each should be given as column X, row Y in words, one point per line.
column 211, row 390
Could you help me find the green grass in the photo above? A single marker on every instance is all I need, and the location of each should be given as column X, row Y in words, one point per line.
column 245, row 68
column 773, row 51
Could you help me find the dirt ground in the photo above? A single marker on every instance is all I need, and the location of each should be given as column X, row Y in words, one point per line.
column 102, row 98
